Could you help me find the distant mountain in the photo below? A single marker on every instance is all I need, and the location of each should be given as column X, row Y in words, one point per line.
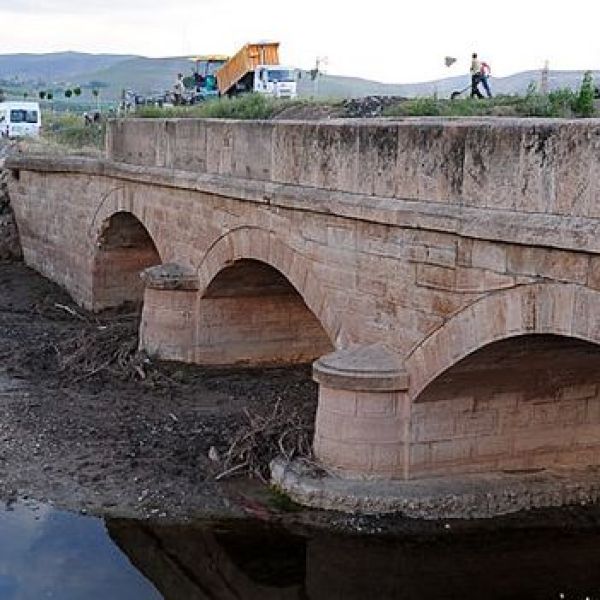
column 147, row 75
column 56, row 66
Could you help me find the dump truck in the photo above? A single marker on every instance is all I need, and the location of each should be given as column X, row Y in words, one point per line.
column 256, row 68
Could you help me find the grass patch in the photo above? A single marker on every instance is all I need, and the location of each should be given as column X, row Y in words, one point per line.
column 67, row 129
column 280, row 501
column 248, row 106
column 66, row 133
column 561, row 103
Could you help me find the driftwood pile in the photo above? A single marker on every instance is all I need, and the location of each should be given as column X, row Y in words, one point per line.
column 89, row 347
column 280, row 431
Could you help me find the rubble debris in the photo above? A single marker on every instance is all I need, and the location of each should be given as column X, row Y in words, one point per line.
column 369, row 106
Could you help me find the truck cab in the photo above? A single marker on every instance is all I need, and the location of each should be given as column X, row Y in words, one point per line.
column 20, row 119
column 204, row 74
column 275, row 80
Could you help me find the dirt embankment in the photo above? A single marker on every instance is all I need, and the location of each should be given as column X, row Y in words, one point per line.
column 10, row 247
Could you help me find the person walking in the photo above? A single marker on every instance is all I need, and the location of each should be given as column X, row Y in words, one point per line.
column 475, row 76
column 178, row 89
column 485, row 72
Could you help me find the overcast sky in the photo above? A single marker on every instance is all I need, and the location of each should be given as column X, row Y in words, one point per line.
column 392, row 41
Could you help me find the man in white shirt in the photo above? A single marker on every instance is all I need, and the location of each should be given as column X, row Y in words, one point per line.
column 475, row 76
column 178, row 89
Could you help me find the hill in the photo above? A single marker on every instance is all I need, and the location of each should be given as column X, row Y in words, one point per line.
column 54, row 67
column 32, row 72
column 145, row 75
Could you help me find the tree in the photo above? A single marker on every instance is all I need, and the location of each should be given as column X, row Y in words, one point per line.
column 77, row 91
column 584, row 104
column 49, row 96
column 68, row 93
column 25, row 94
column 96, row 94
column 42, row 95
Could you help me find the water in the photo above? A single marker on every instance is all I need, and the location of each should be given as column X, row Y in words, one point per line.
column 45, row 553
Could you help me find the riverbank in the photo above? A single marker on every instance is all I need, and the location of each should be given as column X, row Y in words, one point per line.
column 81, row 432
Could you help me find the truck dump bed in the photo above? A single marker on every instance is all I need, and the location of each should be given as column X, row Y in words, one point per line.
column 246, row 60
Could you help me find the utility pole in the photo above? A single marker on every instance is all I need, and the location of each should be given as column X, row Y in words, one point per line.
column 316, row 73
column 545, row 79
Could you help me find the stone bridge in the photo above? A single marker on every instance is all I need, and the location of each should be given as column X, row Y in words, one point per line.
column 444, row 274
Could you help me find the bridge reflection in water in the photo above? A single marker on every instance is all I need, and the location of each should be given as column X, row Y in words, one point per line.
column 258, row 561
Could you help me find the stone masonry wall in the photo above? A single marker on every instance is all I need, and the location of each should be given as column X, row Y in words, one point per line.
column 523, row 165
column 364, row 281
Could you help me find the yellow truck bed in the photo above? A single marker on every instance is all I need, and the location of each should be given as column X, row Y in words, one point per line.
column 246, row 60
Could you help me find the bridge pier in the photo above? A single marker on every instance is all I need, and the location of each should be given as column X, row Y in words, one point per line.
column 168, row 316
column 363, row 418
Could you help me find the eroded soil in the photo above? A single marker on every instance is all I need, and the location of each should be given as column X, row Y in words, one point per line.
column 87, row 423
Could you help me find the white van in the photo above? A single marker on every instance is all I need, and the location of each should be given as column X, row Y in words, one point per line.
column 20, row 119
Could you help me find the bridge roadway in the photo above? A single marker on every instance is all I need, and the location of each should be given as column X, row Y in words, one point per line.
column 443, row 274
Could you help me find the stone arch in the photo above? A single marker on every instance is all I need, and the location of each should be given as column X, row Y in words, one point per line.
column 543, row 308
column 123, row 249
column 259, row 302
column 255, row 243
column 121, row 199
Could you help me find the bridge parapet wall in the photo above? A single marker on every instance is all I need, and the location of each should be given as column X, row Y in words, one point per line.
column 526, row 165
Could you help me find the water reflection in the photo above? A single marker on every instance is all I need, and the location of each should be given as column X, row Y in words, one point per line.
column 45, row 553
column 259, row 562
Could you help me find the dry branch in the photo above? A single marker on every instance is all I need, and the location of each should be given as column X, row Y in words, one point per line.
column 261, row 437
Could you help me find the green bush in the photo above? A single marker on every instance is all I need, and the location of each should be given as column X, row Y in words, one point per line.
column 533, row 104
column 562, row 102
